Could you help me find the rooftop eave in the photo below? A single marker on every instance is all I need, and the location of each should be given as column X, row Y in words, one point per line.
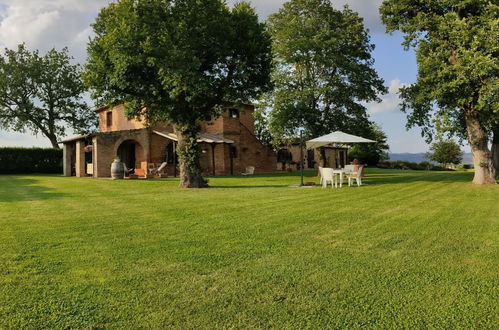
column 104, row 107
column 77, row 138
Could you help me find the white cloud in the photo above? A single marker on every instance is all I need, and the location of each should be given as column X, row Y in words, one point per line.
column 44, row 24
column 389, row 102
column 20, row 25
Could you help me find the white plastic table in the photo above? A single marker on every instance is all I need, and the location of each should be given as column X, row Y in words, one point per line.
column 341, row 172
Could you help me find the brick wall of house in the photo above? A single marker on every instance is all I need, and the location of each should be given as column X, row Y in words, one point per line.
column 247, row 149
column 158, row 148
column 119, row 120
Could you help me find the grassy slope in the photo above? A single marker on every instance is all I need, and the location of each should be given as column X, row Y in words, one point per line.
column 407, row 249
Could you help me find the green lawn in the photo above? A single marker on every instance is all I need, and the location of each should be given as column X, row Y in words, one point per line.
column 408, row 249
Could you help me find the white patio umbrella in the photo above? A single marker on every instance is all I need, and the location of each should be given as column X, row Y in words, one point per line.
column 336, row 137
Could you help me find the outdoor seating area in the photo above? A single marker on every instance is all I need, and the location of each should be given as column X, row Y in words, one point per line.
column 336, row 176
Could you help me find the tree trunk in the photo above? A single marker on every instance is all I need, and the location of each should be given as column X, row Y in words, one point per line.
column 53, row 140
column 485, row 173
column 188, row 155
column 495, row 148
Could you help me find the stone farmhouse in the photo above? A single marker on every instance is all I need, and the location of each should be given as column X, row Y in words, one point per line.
column 228, row 145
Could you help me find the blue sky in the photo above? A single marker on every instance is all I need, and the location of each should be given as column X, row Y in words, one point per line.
column 44, row 24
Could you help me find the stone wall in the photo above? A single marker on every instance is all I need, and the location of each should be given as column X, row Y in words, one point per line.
column 106, row 147
column 68, row 158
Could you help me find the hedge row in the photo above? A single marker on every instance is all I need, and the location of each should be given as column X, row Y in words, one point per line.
column 404, row 165
column 30, row 160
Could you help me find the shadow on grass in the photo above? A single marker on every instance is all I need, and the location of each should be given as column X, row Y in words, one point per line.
column 17, row 189
column 249, row 186
column 418, row 176
column 377, row 177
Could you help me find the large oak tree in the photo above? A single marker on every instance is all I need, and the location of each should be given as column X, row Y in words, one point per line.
column 457, row 49
column 323, row 71
column 42, row 94
column 178, row 61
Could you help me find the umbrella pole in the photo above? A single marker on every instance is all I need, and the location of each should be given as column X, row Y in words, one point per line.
column 301, row 157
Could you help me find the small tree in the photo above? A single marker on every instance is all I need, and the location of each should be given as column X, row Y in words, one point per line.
column 445, row 152
column 178, row 61
column 324, row 71
column 42, row 94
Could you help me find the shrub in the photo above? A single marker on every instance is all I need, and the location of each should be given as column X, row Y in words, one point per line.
column 425, row 165
column 405, row 165
column 385, row 164
column 30, row 160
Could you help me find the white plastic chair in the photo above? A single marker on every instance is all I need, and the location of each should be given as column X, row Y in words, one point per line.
column 349, row 169
column 250, row 170
column 328, row 176
column 320, row 174
column 159, row 169
column 356, row 176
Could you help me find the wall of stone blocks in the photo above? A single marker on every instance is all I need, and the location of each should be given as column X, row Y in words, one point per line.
column 69, row 151
column 106, row 147
column 80, row 159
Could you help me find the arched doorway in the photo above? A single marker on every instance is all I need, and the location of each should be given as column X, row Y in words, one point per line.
column 129, row 152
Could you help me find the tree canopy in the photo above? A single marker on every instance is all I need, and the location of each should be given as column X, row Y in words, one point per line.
column 42, row 94
column 323, row 70
column 457, row 48
column 371, row 153
column 181, row 61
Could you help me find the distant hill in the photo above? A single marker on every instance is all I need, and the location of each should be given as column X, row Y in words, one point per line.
column 419, row 157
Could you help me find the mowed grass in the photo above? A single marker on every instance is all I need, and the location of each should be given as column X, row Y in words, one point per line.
column 408, row 249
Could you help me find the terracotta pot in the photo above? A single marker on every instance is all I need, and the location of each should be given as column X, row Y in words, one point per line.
column 117, row 170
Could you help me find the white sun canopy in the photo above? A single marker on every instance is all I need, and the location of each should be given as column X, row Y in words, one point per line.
column 336, row 137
